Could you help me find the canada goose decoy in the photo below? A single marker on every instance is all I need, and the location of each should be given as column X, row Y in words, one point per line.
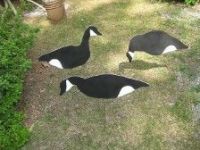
column 71, row 56
column 154, row 43
column 102, row 86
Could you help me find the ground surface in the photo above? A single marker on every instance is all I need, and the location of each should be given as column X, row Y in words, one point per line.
column 163, row 116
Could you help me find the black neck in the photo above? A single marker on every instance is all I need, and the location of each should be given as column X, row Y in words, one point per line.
column 86, row 37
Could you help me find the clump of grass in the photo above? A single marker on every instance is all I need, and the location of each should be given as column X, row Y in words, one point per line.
column 150, row 139
column 183, row 106
column 196, row 88
column 186, row 70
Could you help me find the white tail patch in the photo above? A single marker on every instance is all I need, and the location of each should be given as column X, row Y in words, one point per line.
column 92, row 33
column 132, row 54
column 69, row 85
column 169, row 48
column 125, row 90
column 56, row 63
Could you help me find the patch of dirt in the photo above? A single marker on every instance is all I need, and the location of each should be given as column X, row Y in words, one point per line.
column 189, row 12
column 30, row 103
column 34, row 89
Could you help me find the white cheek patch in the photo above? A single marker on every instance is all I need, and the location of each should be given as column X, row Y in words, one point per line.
column 56, row 63
column 69, row 85
column 132, row 54
column 125, row 90
column 169, row 48
column 92, row 33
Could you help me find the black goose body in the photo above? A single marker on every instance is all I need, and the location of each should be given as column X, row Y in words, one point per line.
column 71, row 56
column 103, row 86
column 155, row 43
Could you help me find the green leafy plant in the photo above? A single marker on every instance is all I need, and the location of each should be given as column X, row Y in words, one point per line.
column 15, row 39
column 191, row 2
column 188, row 2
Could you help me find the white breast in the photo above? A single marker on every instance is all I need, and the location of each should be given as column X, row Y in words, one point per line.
column 169, row 48
column 56, row 63
column 125, row 90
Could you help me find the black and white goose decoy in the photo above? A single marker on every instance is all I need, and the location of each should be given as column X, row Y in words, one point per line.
column 102, row 86
column 154, row 43
column 71, row 56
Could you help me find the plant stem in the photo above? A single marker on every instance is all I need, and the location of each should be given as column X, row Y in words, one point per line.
column 12, row 7
column 37, row 4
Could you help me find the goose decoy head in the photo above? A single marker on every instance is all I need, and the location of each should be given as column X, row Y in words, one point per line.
column 93, row 31
column 67, row 84
column 130, row 55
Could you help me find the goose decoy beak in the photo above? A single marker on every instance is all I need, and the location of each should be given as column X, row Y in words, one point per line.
column 62, row 87
column 129, row 57
column 98, row 33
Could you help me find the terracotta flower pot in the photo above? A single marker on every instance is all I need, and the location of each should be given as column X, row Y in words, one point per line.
column 55, row 9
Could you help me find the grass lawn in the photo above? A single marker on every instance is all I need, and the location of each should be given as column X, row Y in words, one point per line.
column 158, row 117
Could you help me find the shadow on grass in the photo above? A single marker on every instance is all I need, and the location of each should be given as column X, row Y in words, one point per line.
column 139, row 65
